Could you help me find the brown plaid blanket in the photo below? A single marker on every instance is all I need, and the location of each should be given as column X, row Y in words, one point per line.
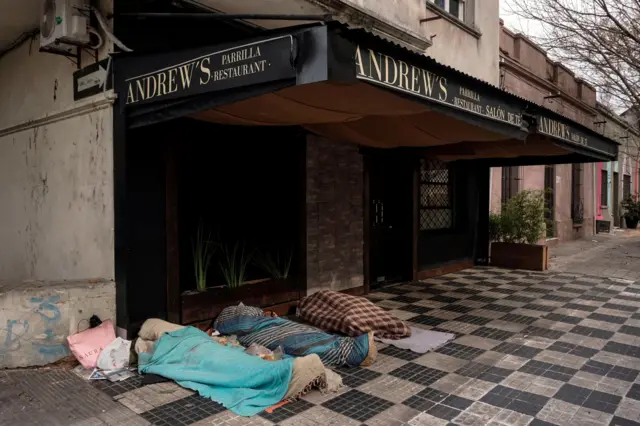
column 351, row 315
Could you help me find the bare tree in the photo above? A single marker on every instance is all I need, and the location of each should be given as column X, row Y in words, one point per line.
column 599, row 39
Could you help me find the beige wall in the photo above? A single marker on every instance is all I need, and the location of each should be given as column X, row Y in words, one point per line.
column 452, row 45
column 459, row 49
column 56, row 193
column 56, row 182
column 398, row 20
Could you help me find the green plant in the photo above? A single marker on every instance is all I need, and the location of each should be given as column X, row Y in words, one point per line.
column 631, row 207
column 234, row 263
column 522, row 219
column 495, row 227
column 202, row 250
column 278, row 266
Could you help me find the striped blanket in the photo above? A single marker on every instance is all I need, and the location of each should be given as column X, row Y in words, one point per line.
column 299, row 339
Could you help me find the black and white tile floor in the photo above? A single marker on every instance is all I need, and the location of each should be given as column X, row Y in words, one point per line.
column 531, row 349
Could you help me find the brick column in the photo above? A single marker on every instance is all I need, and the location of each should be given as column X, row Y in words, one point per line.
column 335, row 230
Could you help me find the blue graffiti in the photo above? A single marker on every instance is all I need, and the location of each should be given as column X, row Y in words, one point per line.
column 50, row 347
column 47, row 309
column 12, row 339
column 50, row 313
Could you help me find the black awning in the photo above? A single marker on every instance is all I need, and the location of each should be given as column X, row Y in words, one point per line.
column 157, row 87
column 379, row 62
column 350, row 85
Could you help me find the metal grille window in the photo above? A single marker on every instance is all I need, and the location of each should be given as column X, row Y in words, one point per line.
column 626, row 186
column 577, row 202
column 604, row 192
column 436, row 206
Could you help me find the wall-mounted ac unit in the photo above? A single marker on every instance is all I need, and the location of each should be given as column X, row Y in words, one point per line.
column 64, row 24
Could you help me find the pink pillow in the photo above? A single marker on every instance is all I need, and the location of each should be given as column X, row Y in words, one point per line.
column 87, row 345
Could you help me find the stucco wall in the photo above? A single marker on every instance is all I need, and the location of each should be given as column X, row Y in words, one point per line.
column 36, row 318
column 55, row 178
column 459, row 49
column 452, row 45
column 56, row 193
column 335, row 228
column 532, row 177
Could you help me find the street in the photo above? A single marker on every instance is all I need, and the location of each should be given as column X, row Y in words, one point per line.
column 554, row 348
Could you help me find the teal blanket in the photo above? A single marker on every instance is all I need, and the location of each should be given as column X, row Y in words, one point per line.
column 245, row 384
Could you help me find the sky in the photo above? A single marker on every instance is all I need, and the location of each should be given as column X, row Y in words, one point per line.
column 531, row 28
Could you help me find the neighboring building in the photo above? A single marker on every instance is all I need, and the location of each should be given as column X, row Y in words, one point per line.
column 338, row 145
column 526, row 71
column 616, row 180
column 632, row 116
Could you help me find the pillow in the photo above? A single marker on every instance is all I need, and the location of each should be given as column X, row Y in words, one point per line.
column 87, row 345
column 234, row 311
column 154, row 328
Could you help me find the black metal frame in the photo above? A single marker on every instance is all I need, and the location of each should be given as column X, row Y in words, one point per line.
column 450, row 191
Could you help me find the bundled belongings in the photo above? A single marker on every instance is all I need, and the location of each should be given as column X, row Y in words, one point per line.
column 351, row 315
column 243, row 383
column 87, row 345
column 252, row 327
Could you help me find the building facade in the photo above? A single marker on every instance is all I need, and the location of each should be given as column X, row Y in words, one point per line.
column 356, row 147
column 56, row 168
column 576, row 198
column 616, row 180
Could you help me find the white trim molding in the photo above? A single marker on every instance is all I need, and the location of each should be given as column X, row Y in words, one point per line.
column 95, row 103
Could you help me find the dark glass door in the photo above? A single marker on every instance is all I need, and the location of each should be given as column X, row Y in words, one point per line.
column 390, row 206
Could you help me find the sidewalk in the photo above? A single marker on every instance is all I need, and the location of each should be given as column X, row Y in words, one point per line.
column 539, row 349
column 615, row 255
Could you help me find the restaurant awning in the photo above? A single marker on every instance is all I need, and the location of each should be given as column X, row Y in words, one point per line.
column 352, row 86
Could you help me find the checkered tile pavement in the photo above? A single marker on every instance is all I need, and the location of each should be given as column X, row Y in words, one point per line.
column 531, row 349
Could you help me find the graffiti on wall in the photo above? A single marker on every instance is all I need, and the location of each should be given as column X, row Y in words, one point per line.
column 35, row 331
column 48, row 344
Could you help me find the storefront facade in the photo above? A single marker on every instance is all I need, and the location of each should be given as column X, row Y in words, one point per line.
column 344, row 154
column 390, row 149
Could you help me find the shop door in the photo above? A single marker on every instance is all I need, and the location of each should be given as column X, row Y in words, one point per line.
column 626, row 186
column 549, row 194
column 616, row 199
column 390, row 213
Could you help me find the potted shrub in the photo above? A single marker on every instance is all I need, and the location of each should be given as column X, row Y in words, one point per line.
column 515, row 233
column 631, row 211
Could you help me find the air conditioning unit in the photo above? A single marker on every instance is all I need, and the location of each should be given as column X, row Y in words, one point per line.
column 64, row 24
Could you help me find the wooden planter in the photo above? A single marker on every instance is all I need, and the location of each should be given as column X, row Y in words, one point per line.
column 202, row 306
column 532, row 257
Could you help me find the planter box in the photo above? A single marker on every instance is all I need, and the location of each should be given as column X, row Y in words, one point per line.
column 206, row 305
column 532, row 257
